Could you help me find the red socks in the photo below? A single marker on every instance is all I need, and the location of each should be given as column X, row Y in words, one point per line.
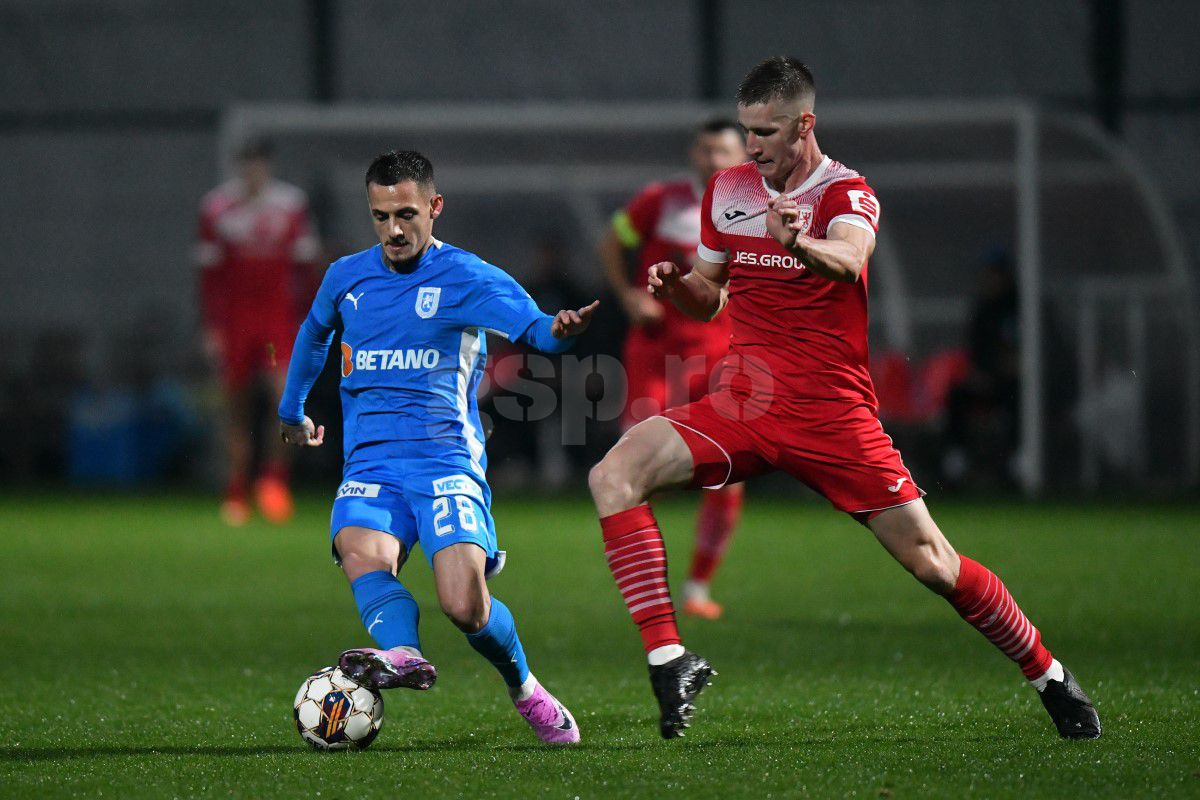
column 276, row 469
column 981, row 599
column 719, row 511
column 236, row 489
column 637, row 557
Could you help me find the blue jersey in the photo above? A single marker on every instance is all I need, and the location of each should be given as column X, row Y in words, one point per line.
column 413, row 351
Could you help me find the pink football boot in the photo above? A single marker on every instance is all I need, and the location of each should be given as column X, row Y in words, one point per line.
column 549, row 718
column 387, row 669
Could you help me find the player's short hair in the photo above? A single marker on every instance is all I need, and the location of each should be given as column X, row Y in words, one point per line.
column 777, row 78
column 716, row 125
column 397, row 166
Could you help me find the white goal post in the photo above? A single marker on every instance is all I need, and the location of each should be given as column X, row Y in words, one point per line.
column 582, row 157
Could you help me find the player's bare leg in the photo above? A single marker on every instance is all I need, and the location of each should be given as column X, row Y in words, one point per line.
column 719, row 512
column 235, row 508
column 909, row 533
column 461, row 588
column 371, row 560
column 650, row 456
column 459, row 574
column 271, row 490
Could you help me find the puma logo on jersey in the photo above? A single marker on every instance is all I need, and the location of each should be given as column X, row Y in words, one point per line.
column 354, row 299
column 896, row 488
column 732, row 215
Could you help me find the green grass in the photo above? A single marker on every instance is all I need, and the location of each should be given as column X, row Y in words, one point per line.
column 149, row 651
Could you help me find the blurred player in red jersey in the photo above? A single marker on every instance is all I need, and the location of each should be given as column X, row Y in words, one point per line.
column 256, row 248
column 783, row 252
column 669, row 355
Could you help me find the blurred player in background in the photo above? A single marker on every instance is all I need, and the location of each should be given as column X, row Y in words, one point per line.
column 412, row 312
column 256, row 251
column 783, row 251
column 668, row 355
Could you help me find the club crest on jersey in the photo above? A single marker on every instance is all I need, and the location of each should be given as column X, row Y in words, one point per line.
column 427, row 301
column 805, row 218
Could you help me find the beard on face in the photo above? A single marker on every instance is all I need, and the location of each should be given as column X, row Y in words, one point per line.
column 399, row 264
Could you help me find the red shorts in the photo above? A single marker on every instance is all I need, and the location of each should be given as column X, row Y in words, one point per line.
column 837, row 448
column 661, row 375
column 253, row 346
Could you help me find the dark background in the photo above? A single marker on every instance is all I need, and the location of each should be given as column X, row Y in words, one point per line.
column 110, row 115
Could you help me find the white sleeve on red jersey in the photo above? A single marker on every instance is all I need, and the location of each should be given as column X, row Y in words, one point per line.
column 852, row 202
column 712, row 246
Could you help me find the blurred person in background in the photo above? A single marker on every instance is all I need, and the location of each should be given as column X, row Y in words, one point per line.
column 256, row 248
column 530, row 443
column 668, row 356
column 982, row 410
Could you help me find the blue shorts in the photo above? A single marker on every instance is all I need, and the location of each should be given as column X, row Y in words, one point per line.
column 431, row 506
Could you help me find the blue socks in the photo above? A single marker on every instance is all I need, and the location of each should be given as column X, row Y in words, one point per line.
column 497, row 642
column 388, row 610
column 389, row 613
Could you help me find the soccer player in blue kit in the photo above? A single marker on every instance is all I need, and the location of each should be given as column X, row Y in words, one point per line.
column 413, row 312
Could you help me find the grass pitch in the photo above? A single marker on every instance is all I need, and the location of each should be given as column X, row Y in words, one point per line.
column 149, row 651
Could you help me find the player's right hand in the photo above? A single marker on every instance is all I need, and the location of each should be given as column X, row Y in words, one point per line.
column 664, row 277
column 306, row 434
column 783, row 220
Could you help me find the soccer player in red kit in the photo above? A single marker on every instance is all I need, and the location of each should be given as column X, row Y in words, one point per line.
column 668, row 355
column 784, row 248
column 256, row 249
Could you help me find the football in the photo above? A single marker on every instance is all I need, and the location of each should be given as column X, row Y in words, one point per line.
column 333, row 712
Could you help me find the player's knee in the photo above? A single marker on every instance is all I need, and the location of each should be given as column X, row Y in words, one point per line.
column 469, row 614
column 362, row 554
column 356, row 564
column 598, row 480
column 932, row 567
column 611, row 486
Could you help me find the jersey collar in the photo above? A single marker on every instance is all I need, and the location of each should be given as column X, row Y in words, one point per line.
column 813, row 180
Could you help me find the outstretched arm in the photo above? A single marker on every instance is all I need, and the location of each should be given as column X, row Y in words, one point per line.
column 701, row 294
column 556, row 334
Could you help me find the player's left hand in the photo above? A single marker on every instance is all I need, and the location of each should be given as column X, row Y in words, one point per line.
column 783, row 220
column 572, row 323
column 302, row 435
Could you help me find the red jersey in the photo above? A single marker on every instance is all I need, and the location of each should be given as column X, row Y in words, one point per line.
column 808, row 331
column 250, row 250
column 663, row 223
